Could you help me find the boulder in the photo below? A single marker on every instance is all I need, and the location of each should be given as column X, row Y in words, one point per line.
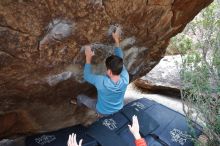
column 164, row 78
column 41, row 53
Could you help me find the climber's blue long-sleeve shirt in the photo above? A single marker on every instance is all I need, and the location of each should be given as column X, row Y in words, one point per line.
column 110, row 94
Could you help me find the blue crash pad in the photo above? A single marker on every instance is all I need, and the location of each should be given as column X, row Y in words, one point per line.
column 159, row 125
column 60, row 137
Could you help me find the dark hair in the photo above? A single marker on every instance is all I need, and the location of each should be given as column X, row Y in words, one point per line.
column 115, row 64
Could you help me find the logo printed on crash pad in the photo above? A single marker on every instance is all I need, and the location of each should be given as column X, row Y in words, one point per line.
column 110, row 123
column 179, row 136
column 44, row 139
column 138, row 106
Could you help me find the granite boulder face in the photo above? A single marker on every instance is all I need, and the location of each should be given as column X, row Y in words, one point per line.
column 41, row 53
column 164, row 78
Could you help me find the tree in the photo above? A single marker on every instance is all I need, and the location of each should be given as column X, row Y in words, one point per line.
column 199, row 46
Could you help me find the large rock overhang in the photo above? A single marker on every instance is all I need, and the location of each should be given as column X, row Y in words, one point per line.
column 41, row 55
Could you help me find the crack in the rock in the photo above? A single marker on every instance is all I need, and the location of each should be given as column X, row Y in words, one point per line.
column 49, row 8
column 16, row 30
column 171, row 4
column 7, row 54
column 104, row 7
column 158, row 5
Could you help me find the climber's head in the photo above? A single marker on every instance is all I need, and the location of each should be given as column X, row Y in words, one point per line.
column 114, row 65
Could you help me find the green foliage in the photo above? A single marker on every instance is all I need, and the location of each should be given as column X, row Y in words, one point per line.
column 180, row 41
column 217, row 127
column 199, row 46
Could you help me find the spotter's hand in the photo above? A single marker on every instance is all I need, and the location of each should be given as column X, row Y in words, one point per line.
column 134, row 128
column 72, row 140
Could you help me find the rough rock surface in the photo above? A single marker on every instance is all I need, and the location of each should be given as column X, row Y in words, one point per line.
column 41, row 54
column 164, row 78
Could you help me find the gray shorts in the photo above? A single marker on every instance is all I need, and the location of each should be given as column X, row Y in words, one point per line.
column 88, row 102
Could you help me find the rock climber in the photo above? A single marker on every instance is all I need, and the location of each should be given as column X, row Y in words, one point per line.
column 110, row 87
